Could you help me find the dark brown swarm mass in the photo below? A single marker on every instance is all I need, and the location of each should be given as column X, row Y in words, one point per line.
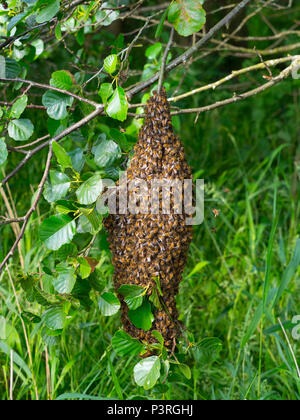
column 147, row 246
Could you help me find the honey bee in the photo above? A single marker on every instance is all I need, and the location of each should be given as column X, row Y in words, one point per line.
column 216, row 212
column 146, row 246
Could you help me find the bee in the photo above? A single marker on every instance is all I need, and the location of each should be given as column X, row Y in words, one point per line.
column 216, row 212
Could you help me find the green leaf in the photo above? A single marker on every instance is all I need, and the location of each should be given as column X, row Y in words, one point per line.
column 57, row 231
column 19, row 107
column 55, row 318
column 147, row 372
column 58, row 33
column 61, row 155
column 109, row 304
column 68, row 250
column 133, row 295
column 90, row 190
column 107, row 16
column 62, row 80
column 153, row 51
column 154, row 298
column 56, row 104
column 111, row 63
column 142, row 317
column 3, row 151
column 43, row 298
column 105, row 91
column 66, row 207
column 199, row 267
column 39, row 46
column 20, row 130
column 158, row 337
column 117, row 106
column 12, row 67
column 65, row 280
column 78, row 159
column 57, row 186
column 15, row 20
column 46, row 13
column 85, row 268
column 106, row 153
column 185, row 370
column 124, row 345
column 90, row 223
column 51, row 337
column 187, row 16
column 208, row 350
column 160, row 26
column 31, row 317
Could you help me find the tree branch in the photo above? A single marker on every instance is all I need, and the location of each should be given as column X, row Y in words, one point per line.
column 31, row 210
column 237, row 97
column 164, row 61
column 234, row 74
column 184, row 57
column 58, row 137
column 48, row 87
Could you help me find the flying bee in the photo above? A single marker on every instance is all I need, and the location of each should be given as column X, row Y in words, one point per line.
column 216, row 212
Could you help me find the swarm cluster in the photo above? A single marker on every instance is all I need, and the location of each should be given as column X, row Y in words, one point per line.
column 147, row 246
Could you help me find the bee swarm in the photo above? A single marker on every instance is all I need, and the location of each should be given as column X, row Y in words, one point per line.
column 150, row 246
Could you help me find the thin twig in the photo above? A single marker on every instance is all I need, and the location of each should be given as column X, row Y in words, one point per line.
column 237, row 97
column 31, row 210
column 189, row 53
column 234, row 74
column 48, row 87
column 164, row 61
column 58, row 137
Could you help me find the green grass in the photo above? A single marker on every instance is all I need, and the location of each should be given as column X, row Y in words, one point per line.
column 247, row 157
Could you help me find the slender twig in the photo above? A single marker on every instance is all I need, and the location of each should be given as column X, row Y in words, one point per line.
column 234, row 74
column 31, row 210
column 48, row 87
column 33, row 143
column 262, row 38
column 58, row 137
column 7, row 221
column 189, row 53
column 29, row 106
column 164, row 61
column 237, row 97
column 12, row 39
column 283, row 49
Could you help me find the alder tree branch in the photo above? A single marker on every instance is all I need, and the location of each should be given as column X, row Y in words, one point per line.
column 48, row 87
column 164, row 61
column 131, row 92
column 31, row 210
column 182, row 59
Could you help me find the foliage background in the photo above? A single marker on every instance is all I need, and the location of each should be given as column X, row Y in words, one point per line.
column 248, row 154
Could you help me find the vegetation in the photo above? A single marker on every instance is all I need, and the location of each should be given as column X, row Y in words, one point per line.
column 74, row 76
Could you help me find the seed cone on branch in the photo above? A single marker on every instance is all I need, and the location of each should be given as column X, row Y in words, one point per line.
column 150, row 246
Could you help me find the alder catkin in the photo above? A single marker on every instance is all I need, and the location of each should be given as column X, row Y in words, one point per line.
column 150, row 246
